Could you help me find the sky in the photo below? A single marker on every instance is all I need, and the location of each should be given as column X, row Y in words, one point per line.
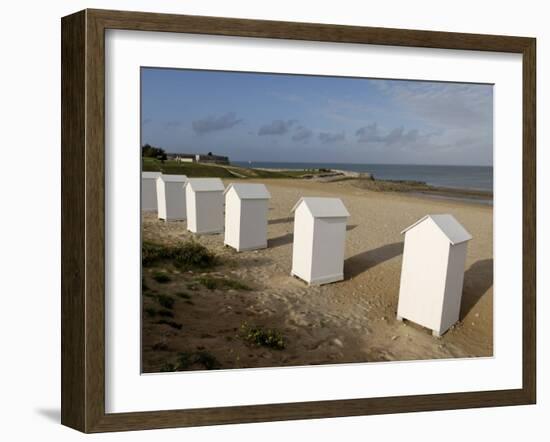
column 304, row 118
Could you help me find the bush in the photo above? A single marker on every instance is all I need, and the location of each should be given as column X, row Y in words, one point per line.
column 151, row 312
column 161, row 277
column 262, row 337
column 187, row 359
column 236, row 285
column 165, row 313
column 168, row 366
column 207, row 360
column 186, row 255
column 160, row 346
column 149, row 151
column 212, row 283
column 165, row 301
column 172, row 324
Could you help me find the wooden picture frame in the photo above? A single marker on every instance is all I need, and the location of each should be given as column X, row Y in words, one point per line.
column 83, row 219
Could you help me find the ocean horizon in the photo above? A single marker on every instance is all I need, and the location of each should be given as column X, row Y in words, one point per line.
column 459, row 177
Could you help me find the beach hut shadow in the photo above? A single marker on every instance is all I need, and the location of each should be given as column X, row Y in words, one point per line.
column 287, row 238
column 287, row 219
column 477, row 280
column 363, row 261
column 280, row 240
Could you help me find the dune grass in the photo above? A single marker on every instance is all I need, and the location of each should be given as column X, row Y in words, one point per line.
column 161, row 277
column 213, row 283
column 185, row 360
column 263, row 337
column 170, row 323
column 165, row 301
column 187, row 255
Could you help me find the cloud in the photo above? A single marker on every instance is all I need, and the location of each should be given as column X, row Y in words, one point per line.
column 174, row 123
column 331, row 137
column 371, row 134
column 212, row 124
column 447, row 104
column 276, row 127
column 348, row 110
column 302, row 134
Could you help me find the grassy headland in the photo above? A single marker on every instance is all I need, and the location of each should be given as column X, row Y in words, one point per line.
column 198, row 170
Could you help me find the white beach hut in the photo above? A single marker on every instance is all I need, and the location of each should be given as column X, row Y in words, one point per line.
column 319, row 240
column 246, row 207
column 171, row 197
column 433, row 272
column 204, row 200
column 149, row 190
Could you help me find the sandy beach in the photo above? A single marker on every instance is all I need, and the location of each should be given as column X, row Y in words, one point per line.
column 348, row 321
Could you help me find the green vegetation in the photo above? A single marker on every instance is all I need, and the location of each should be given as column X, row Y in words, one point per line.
column 197, row 170
column 161, row 277
column 213, row 283
column 151, row 312
column 165, row 301
column 153, row 152
column 160, row 346
column 165, row 313
column 187, row 359
column 167, row 367
column 192, row 170
column 263, row 337
column 190, row 254
column 170, row 323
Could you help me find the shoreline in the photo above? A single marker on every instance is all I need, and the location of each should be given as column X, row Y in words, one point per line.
column 324, row 176
column 415, row 188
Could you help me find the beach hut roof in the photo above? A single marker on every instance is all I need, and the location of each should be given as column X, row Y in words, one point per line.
column 174, row 178
column 205, row 184
column 448, row 224
column 150, row 174
column 249, row 191
column 323, row 207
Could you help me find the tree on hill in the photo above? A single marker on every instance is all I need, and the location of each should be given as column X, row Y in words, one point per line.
column 149, row 151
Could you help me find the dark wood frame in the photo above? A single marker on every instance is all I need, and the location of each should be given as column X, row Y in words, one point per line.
column 83, row 216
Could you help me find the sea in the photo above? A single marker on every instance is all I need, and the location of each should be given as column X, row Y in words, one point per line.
column 458, row 177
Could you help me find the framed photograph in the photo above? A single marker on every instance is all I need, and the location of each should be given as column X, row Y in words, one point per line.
column 269, row 220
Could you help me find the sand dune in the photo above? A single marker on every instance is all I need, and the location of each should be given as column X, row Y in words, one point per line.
column 348, row 321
